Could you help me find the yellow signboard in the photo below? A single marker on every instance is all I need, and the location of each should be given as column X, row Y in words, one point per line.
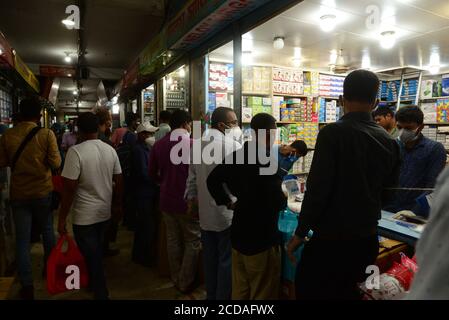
column 25, row 72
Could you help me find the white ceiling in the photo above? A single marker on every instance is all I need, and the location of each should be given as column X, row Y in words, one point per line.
column 421, row 27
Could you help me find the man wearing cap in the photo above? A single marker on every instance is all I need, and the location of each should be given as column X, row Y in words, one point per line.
column 144, row 191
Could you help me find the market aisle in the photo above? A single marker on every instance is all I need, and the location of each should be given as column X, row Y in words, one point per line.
column 126, row 280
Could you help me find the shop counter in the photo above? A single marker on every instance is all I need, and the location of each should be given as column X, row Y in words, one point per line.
column 393, row 230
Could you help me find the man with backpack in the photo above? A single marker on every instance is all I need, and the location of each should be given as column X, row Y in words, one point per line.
column 31, row 152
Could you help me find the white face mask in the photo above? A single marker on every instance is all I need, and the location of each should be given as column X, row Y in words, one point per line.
column 234, row 133
column 406, row 135
column 150, row 141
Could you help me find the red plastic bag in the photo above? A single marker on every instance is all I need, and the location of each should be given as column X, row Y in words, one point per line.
column 62, row 265
column 57, row 184
column 402, row 274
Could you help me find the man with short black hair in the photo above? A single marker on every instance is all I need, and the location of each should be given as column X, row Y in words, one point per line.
column 92, row 185
column 289, row 154
column 256, row 264
column 164, row 127
column 422, row 161
column 215, row 221
column 384, row 116
column 355, row 161
column 31, row 152
column 183, row 231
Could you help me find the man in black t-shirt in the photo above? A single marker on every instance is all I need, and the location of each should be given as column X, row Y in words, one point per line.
column 256, row 263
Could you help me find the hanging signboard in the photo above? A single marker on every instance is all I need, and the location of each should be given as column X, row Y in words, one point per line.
column 200, row 19
column 25, row 72
column 153, row 53
column 131, row 75
column 57, row 72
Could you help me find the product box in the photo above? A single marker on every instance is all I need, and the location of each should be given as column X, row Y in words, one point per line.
column 267, row 109
column 445, row 85
column 254, row 101
column 266, row 102
column 247, row 114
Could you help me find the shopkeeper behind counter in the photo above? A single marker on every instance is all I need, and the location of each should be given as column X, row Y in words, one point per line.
column 422, row 161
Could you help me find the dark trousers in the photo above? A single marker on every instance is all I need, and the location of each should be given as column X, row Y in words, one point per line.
column 129, row 206
column 90, row 242
column 217, row 253
column 331, row 269
column 145, row 233
column 25, row 213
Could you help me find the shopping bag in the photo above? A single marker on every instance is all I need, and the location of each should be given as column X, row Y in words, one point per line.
column 66, row 270
column 57, row 183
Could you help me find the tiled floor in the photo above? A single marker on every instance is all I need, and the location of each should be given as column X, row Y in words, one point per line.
column 126, row 280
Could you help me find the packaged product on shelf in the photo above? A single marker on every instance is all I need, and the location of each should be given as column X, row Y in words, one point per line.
column 212, row 105
column 437, row 89
column 445, row 85
column 266, row 102
column 427, row 88
column 266, row 109
column 247, row 114
column 254, row 101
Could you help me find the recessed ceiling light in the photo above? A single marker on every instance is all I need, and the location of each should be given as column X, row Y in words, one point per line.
column 75, row 92
column 67, row 57
column 68, row 22
column 388, row 39
column 69, row 75
column 297, row 62
column 278, row 43
column 328, row 22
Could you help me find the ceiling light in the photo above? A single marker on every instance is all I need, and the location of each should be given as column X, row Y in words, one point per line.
column 247, row 58
column 67, row 57
column 182, row 72
column 278, row 43
column 434, row 63
column 68, row 22
column 366, row 61
column 388, row 39
column 328, row 22
column 434, row 69
column 333, row 57
column 69, row 75
column 297, row 62
column 340, row 60
column 75, row 92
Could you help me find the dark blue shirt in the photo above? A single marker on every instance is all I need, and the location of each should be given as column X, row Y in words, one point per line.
column 142, row 183
column 285, row 163
column 419, row 169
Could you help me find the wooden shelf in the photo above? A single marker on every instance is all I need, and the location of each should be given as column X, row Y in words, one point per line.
column 436, row 123
column 256, row 94
column 328, row 97
column 291, row 95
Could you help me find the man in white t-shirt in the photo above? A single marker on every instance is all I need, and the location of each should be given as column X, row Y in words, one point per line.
column 92, row 182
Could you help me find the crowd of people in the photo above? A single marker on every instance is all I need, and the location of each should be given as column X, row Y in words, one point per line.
column 226, row 211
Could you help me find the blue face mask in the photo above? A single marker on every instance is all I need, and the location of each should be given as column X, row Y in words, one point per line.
column 292, row 158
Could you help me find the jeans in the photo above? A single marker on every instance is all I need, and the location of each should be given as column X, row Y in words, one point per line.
column 25, row 212
column 183, row 248
column 217, row 253
column 89, row 239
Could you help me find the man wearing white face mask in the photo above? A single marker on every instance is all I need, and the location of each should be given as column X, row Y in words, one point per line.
column 422, row 160
column 215, row 221
column 144, row 190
